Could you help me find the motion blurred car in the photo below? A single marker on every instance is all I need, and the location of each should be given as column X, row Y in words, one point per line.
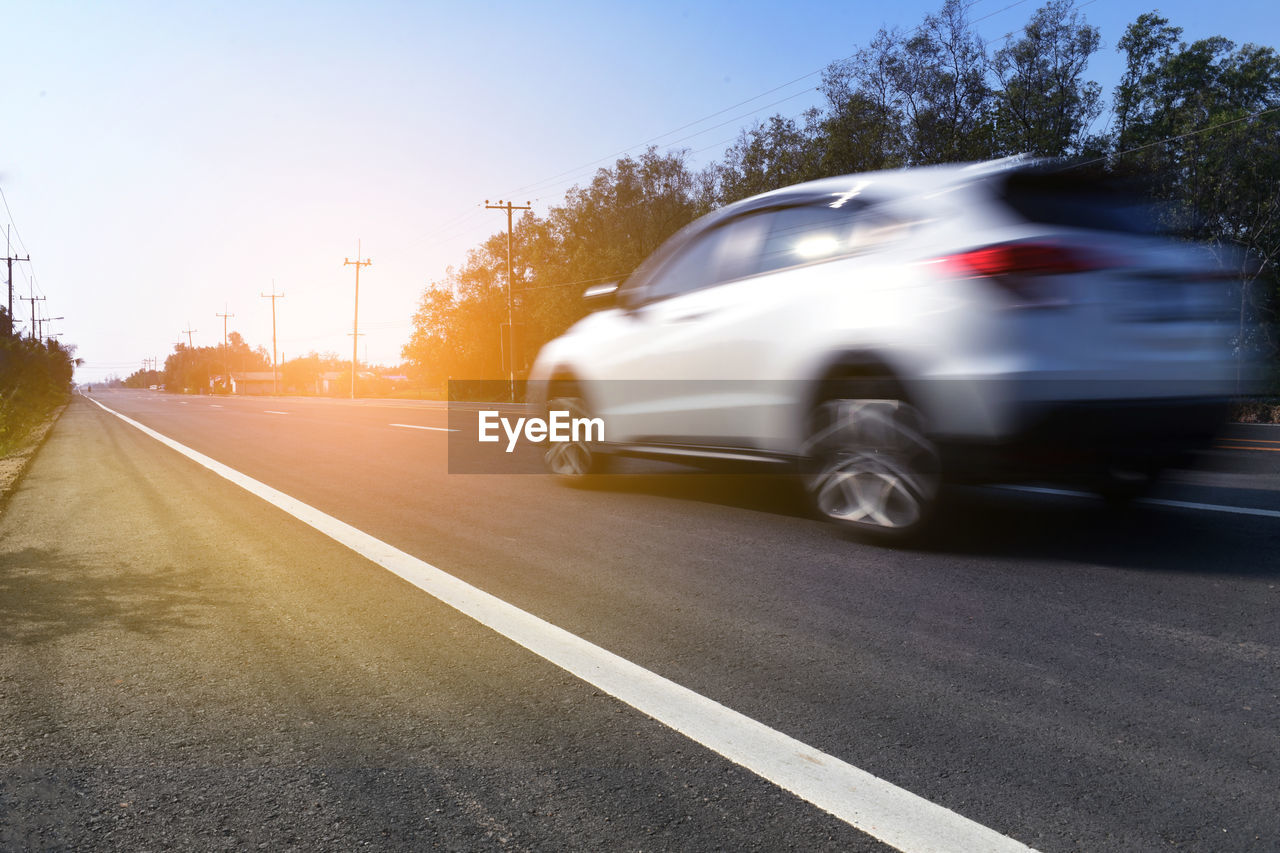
column 892, row 331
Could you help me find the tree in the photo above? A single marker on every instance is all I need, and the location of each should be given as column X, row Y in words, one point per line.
column 1147, row 44
column 1044, row 106
column 776, row 153
column 931, row 83
column 858, row 133
column 35, row 377
column 144, row 378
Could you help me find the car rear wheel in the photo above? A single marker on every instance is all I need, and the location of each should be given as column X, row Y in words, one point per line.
column 873, row 470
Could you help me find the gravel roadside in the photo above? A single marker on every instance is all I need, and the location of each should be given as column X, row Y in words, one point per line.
column 14, row 464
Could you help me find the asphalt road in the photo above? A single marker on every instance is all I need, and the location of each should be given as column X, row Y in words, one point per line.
column 184, row 666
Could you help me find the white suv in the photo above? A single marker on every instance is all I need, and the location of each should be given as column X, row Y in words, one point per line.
column 894, row 330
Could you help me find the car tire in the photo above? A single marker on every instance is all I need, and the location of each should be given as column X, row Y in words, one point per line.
column 575, row 463
column 873, row 470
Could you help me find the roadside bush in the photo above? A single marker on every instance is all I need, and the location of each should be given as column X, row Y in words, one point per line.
column 35, row 378
column 1257, row 411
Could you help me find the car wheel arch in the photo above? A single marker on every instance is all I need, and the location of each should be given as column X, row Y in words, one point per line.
column 851, row 366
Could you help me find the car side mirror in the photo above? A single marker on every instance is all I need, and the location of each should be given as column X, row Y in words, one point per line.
column 601, row 296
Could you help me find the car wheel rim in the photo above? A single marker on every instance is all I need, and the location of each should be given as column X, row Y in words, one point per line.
column 569, row 458
column 874, row 466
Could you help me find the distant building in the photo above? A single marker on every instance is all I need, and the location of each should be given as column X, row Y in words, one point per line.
column 338, row 382
column 253, row 383
column 331, row 381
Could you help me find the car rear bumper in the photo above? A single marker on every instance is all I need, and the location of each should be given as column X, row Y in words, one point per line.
column 1078, row 439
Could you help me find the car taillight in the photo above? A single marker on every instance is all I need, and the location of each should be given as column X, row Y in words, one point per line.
column 1022, row 259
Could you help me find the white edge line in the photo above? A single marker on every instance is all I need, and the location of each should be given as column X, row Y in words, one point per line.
column 273, row 412
column 882, row 810
column 415, row 426
column 1235, row 510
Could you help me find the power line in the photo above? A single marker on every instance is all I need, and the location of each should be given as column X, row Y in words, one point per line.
column 32, row 284
column 14, row 224
column 585, row 281
column 471, row 215
column 576, row 169
column 727, row 121
column 996, row 12
column 1011, row 32
column 1169, row 139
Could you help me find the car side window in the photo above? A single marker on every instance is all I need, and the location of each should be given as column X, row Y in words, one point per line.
column 800, row 235
column 723, row 253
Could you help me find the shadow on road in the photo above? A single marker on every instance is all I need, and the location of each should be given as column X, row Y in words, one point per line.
column 45, row 595
column 773, row 494
column 991, row 522
column 1088, row 531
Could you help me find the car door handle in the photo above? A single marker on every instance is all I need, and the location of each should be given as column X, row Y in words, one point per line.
column 690, row 317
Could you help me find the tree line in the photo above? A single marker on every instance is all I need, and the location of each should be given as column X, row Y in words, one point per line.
column 1199, row 121
column 210, row 370
column 206, row 370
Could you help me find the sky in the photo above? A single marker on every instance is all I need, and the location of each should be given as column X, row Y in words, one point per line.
column 166, row 162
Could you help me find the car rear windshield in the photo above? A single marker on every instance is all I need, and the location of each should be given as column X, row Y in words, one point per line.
column 1077, row 201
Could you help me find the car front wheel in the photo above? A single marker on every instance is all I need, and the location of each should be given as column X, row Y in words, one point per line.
column 574, row 461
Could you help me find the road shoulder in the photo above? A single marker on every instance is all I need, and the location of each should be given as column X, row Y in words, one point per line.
column 14, row 465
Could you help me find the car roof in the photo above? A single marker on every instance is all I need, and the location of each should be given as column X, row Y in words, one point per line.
column 907, row 181
column 895, row 182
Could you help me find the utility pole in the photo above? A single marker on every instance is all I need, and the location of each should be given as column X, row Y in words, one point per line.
column 9, row 258
column 273, row 296
column 355, row 336
column 185, row 357
column 33, row 300
column 226, row 354
column 40, row 321
column 511, row 326
column 355, row 323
